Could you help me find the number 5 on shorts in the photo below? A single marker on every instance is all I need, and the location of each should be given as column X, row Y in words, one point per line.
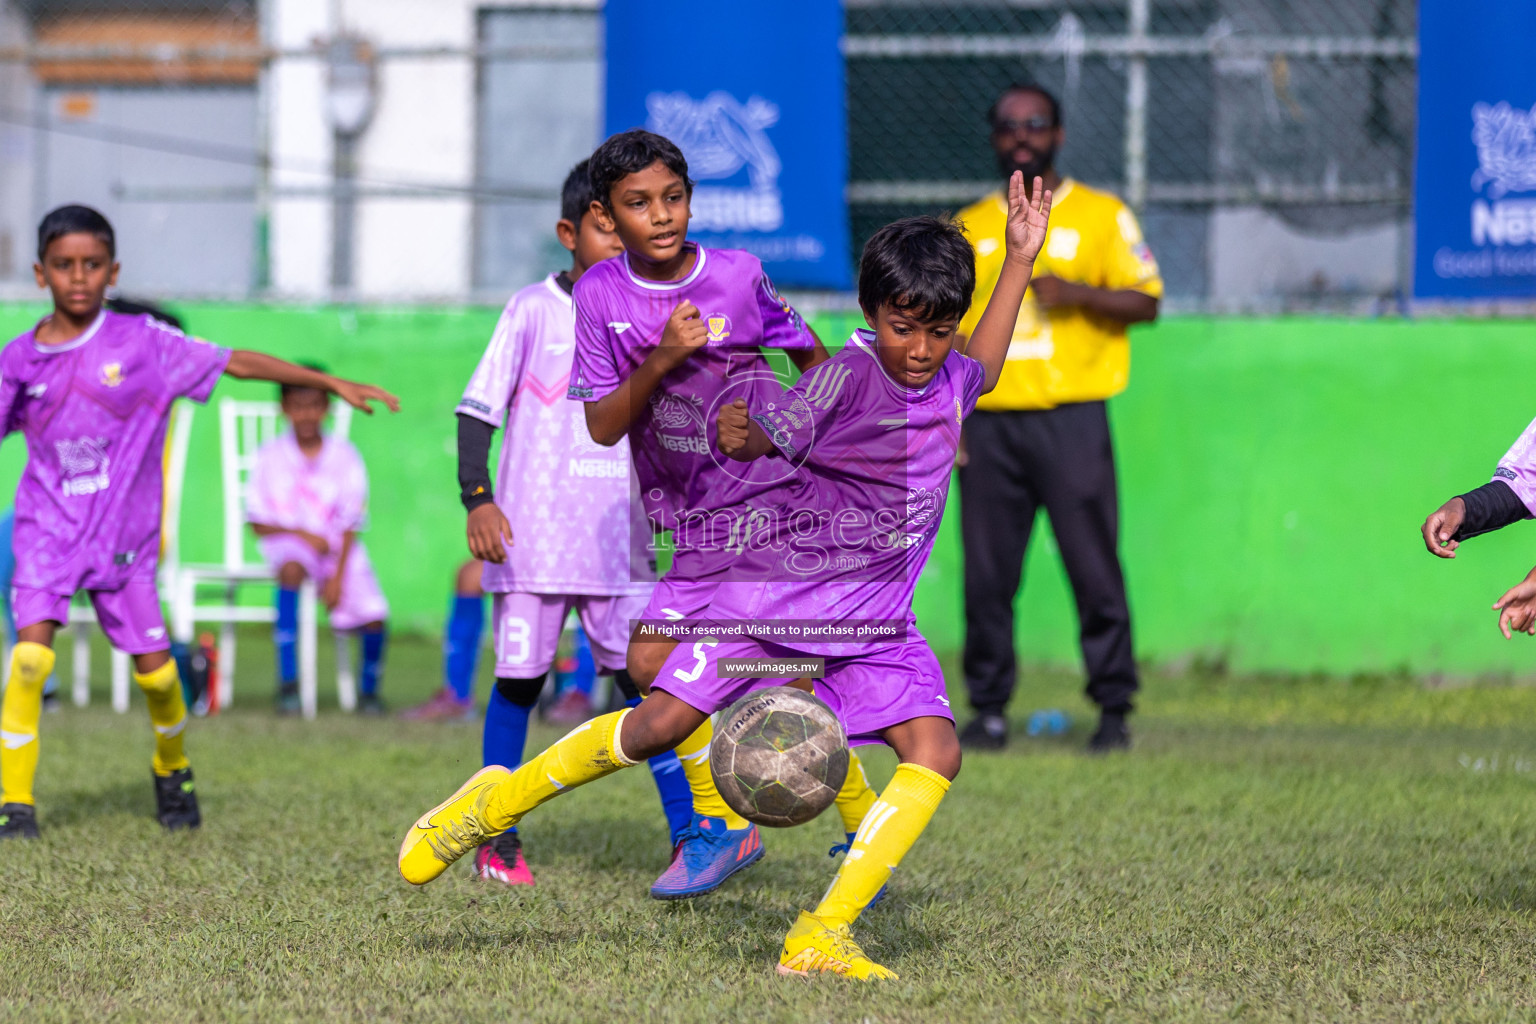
column 689, row 675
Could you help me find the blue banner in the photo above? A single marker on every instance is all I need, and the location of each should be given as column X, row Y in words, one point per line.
column 752, row 92
column 1475, row 180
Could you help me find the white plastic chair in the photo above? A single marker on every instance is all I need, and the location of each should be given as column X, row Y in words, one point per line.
column 244, row 426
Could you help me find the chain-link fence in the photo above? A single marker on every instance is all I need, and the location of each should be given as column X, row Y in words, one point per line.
column 1266, row 144
column 285, row 147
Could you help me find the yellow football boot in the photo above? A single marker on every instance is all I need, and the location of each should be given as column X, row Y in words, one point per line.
column 451, row 829
column 814, row 944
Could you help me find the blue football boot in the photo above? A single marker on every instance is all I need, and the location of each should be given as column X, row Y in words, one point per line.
column 844, row 848
column 707, row 853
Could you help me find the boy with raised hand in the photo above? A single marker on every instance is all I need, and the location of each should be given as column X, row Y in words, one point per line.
column 89, row 389
column 307, row 500
column 890, row 405
column 665, row 334
column 559, row 529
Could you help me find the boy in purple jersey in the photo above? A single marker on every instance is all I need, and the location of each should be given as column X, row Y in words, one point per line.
column 557, row 532
column 902, row 377
column 89, row 389
column 666, row 334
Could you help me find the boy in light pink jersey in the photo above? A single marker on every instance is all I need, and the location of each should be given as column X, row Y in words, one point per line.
column 561, row 530
column 903, row 380
column 90, row 390
column 307, row 499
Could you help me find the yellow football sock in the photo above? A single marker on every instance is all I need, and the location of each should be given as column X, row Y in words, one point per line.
column 587, row 752
column 856, row 796
column 19, row 717
column 886, row 834
column 693, row 752
column 168, row 713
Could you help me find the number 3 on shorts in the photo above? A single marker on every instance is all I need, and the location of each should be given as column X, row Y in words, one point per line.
column 689, row 675
column 514, row 640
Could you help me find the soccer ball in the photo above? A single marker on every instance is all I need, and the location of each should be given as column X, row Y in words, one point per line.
column 779, row 756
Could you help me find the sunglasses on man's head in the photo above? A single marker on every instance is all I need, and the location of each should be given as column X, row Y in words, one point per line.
column 1029, row 124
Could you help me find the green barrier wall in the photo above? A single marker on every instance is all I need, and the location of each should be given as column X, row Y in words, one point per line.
column 1273, row 476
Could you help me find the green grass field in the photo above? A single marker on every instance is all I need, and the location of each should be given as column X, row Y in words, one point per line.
column 1272, row 849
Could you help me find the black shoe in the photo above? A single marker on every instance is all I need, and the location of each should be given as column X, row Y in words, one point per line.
column 370, row 704
column 1112, row 735
column 288, row 702
column 176, row 802
column 985, row 732
column 18, row 821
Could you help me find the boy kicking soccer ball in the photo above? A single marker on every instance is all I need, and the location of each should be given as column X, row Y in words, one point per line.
column 889, row 406
column 89, row 390
column 558, row 530
column 665, row 333
column 307, row 498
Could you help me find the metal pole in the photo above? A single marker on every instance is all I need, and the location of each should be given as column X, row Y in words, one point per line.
column 343, row 212
column 1139, row 13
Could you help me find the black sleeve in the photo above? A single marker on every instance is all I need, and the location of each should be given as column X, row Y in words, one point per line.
column 474, row 460
column 1491, row 507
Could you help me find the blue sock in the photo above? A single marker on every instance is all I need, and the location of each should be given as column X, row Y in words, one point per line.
column 286, row 635
column 373, row 662
column 506, row 731
column 461, row 644
column 672, row 784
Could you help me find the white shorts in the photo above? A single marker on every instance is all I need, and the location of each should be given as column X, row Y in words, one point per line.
column 528, row 630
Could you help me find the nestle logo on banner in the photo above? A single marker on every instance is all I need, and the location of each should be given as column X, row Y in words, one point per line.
column 1505, row 138
column 720, row 136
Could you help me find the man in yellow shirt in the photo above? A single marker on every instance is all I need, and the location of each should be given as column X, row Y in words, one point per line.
column 1041, row 438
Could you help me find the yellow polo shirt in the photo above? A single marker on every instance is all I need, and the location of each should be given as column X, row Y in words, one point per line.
column 1065, row 354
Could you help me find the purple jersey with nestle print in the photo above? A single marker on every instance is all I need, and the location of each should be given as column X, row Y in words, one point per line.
column 852, row 531
column 567, row 498
column 620, row 319
column 93, row 412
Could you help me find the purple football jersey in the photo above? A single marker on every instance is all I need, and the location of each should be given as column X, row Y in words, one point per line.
column 620, row 319
column 93, row 412
column 846, row 538
column 576, row 528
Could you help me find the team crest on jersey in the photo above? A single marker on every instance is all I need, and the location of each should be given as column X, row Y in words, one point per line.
column 112, row 374
column 719, row 326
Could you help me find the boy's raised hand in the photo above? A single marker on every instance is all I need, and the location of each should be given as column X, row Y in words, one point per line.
column 1517, row 608
column 487, row 530
column 1029, row 214
column 359, row 395
column 734, row 427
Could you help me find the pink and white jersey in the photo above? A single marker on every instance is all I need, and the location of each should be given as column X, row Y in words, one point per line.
column 577, row 526
column 326, row 495
column 93, row 412
column 848, row 536
column 620, row 319
column 1518, row 467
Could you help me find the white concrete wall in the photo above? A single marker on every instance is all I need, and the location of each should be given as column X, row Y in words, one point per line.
column 18, row 154
column 406, row 247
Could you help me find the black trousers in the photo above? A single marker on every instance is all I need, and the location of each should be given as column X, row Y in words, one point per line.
column 1061, row 459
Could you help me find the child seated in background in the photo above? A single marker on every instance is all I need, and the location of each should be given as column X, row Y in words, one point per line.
column 307, row 499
